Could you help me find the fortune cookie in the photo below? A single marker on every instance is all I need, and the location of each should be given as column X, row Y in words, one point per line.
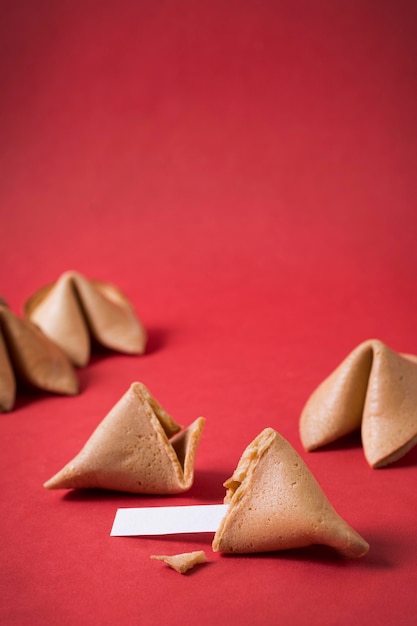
column 275, row 503
column 74, row 308
column 28, row 355
column 374, row 389
column 136, row 448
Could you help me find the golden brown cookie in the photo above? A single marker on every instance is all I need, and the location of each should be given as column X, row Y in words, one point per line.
column 137, row 448
column 275, row 503
column 27, row 354
column 374, row 389
column 73, row 309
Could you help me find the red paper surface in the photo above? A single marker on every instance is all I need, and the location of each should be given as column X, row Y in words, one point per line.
column 245, row 173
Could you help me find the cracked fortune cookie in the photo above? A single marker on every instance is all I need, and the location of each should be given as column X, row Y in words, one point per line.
column 375, row 390
column 275, row 503
column 74, row 309
column 26, row 354
column 137, row 448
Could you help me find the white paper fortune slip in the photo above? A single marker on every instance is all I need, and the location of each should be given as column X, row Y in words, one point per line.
column 168, row 520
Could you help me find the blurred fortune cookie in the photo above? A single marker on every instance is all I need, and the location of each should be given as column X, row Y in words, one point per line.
column 74, row 309
column 275, row 503
column 137, row 448
column 26, row 354
column 375, row 390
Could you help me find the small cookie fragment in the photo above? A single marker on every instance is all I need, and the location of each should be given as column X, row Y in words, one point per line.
column 182, row 562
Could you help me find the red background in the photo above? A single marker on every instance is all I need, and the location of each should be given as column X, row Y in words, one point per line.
column 245, row 172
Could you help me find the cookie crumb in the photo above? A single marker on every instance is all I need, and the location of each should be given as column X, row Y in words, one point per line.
column 182, row 562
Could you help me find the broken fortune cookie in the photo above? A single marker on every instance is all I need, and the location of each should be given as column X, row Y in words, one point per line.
column 275, row 503
column 374, row 389
column 137, row 448
column 75, row 308
column 27, row 354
